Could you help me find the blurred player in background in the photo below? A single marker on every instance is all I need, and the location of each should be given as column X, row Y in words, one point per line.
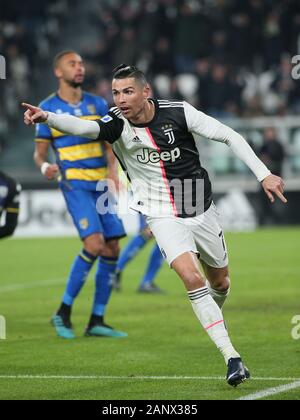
column 81, row 164
column 272, row 153
column 9, row 205
column 131, row 250
column 155, row 140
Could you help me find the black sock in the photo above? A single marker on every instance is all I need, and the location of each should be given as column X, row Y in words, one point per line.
column 96, row 320
column 65, row 312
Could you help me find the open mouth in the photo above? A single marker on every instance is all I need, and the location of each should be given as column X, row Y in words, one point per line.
column 125, row 110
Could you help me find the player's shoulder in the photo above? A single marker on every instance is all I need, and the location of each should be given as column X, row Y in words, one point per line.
column 99, row 101
column 50, row 101
column 165, row 104
column 115, row 112
column 113, row 116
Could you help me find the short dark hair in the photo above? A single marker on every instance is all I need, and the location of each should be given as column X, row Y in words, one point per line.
column 125, row 71
column 61, row 55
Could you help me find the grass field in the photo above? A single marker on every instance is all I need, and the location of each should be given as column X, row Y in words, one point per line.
column 167, row 355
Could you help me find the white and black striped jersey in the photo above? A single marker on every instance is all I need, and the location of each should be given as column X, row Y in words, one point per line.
column 161, row 159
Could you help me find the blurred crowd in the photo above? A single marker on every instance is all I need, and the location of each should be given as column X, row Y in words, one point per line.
column 27, row 31
column 229, row 57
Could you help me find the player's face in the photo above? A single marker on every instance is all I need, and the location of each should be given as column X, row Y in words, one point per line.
column 71, row 70
column 130, row 97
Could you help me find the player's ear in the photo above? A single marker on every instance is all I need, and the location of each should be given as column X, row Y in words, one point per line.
column 58, row 72
column 146, row 91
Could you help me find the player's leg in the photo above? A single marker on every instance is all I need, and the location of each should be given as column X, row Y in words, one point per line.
column 205, row 308
column 154, row 265
column 132, row 249
column 104, row 278
column 134, row 246
column 218, row 283
column 113, row 230
column 210, row 316
column 179, row 248
column 103, row 288
column 92, row 249
column 86, row 221
column 211, row 245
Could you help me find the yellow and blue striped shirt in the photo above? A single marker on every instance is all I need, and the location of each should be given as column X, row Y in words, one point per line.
column 82, row 162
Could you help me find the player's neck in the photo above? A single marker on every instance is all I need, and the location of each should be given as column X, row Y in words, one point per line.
column 70, row 94
column 146, row 115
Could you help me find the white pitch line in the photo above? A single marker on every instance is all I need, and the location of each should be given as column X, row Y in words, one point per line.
column 126, row 378
column 270, row 392
column 32, row 285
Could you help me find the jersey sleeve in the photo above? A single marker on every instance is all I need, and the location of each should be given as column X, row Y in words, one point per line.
column 102, row 107
column 202, row 124
column 111, row 127
column 43, row 132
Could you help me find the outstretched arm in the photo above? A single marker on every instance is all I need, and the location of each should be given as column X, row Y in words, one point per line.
column 203, row 125
column 64, row 123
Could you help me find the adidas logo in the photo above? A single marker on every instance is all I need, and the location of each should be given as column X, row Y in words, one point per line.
column 136, row 139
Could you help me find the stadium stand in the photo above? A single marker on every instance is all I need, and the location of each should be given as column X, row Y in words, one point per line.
column 231, row 59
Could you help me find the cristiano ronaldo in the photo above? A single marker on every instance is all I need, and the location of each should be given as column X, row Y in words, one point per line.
column 155, row 142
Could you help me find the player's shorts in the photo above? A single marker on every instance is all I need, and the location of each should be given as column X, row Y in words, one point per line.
column 82, row 205
column 202, row 235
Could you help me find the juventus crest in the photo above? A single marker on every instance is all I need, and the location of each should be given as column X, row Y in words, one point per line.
column 168, row 131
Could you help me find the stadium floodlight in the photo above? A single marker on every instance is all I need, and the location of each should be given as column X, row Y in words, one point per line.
column 2, row 67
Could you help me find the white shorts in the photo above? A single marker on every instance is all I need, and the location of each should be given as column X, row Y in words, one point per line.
column 202, row 235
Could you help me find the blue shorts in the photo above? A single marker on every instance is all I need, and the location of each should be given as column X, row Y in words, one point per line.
column 82, row 207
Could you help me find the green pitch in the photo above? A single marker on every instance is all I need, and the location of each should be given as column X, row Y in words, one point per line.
column 167, row 355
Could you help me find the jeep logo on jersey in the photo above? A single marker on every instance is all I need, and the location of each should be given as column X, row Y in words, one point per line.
column 168, row 131
column 155, row 157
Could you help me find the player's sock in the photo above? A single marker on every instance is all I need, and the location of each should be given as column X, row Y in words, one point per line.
column 211, row 318
column 104, row 280
column 79, row 272
column 218, row 297
column 65, row 313
column 96, row 320
column 131, row 250
column 155, row 263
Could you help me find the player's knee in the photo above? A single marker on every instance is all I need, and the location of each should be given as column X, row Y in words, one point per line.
column 193, row 279
column 95, row 248
column 222, row 283
column 112, row 249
